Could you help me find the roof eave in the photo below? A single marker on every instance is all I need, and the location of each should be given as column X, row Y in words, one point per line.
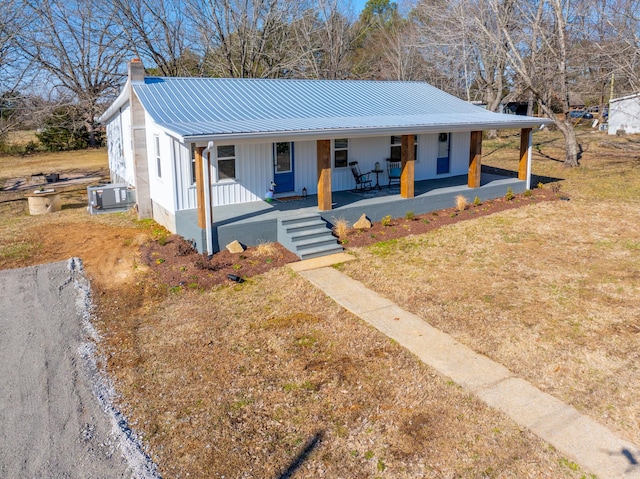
column 118, row 103
column 366, row 132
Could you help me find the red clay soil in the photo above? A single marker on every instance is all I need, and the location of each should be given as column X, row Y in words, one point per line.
column 178, row 266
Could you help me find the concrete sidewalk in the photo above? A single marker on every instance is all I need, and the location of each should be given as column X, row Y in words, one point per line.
column 586, row 441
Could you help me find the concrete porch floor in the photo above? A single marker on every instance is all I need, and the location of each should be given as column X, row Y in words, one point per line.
column 255, row 222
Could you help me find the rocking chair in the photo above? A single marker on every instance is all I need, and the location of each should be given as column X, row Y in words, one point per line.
column 394, row 170
column 362, row 179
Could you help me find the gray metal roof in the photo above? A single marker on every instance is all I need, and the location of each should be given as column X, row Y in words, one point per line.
column 231, row 107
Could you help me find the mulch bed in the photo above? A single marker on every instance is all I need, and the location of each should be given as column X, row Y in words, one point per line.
column 178, row 266
column 419, row 224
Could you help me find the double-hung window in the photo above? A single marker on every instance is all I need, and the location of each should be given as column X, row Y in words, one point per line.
column 156, row 146
column 396, row 148
column 341, row 153
column 226, row 159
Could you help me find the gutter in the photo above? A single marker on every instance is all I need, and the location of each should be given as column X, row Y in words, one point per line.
column 206, row 169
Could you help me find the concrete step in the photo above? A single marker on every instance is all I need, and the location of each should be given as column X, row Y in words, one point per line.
column 292, row 227
column 318, row 232
column 311, row 242
column 320, row 251
column 307, row 236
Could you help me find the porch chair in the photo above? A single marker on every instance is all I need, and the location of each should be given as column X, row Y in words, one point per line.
column 394, row 170
column 362, row 179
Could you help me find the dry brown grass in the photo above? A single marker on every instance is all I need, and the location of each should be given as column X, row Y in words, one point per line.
column 548, row 290
column 461, row 203
column 341, row 227
column 237, row 381
column 265, row 249
column 67, row 161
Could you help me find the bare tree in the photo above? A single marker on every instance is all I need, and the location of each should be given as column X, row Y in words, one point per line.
column 14, row 69
column 466, row 36
column 539, row 38
column 247, row 38
column 161, row 31
column 325, row 37
column 78, row 47
column 617, row 46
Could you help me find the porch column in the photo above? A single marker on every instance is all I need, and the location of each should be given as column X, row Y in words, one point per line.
column 475, row 160
column 323, row 149
column 202, row 215
column 408, row 175
column 525, row 144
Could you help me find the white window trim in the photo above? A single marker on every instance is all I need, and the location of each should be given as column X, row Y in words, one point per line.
column 217, row 170
column 156, row 148
column 333, row 154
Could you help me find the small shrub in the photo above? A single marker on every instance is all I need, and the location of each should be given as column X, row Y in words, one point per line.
column 540, row 185
column 509, row 195
column 340, row 227
column 476, row 201
column 528, row 193
column 410, row 215
column 461, row 203
column 386, row 220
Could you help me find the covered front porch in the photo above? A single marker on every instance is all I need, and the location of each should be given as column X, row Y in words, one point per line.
column 256, row 222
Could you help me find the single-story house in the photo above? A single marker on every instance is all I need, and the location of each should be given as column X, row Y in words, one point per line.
column 203, row 153
column 624, row 115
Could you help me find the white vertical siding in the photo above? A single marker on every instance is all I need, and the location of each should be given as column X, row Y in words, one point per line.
column 366, row 151
column 254, row 172
column 427, row 156
column 459, row 155
column 161, row 188
column 306, row 166
column 185, row 189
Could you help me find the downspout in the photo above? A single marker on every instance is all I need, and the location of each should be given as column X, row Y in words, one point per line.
column 529, row 148
column 206, row 169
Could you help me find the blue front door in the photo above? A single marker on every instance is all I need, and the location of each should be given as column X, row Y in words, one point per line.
column 283, row 175
column 444, row 146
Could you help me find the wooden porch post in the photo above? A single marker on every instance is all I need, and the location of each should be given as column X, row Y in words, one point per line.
column 475, row 160
column 323, row 149
column 525, row 135
column 407, row 157
column 200, row 189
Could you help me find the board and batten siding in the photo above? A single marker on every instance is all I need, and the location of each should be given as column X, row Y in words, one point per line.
column 254, row 167
column 254, row 172
column 460, row 143
column 161, row 188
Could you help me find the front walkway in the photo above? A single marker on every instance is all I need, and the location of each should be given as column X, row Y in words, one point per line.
column 594, row 447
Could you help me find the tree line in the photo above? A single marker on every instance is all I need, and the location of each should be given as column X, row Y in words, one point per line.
column 63, row 61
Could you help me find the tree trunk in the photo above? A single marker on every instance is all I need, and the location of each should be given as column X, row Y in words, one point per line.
column 572, row 148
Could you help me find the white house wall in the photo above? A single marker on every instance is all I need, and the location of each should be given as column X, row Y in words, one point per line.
column 624, row 115
column 161, row 187
column 460, row 146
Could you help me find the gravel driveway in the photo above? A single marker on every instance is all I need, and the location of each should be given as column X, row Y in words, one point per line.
column 55, row 407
